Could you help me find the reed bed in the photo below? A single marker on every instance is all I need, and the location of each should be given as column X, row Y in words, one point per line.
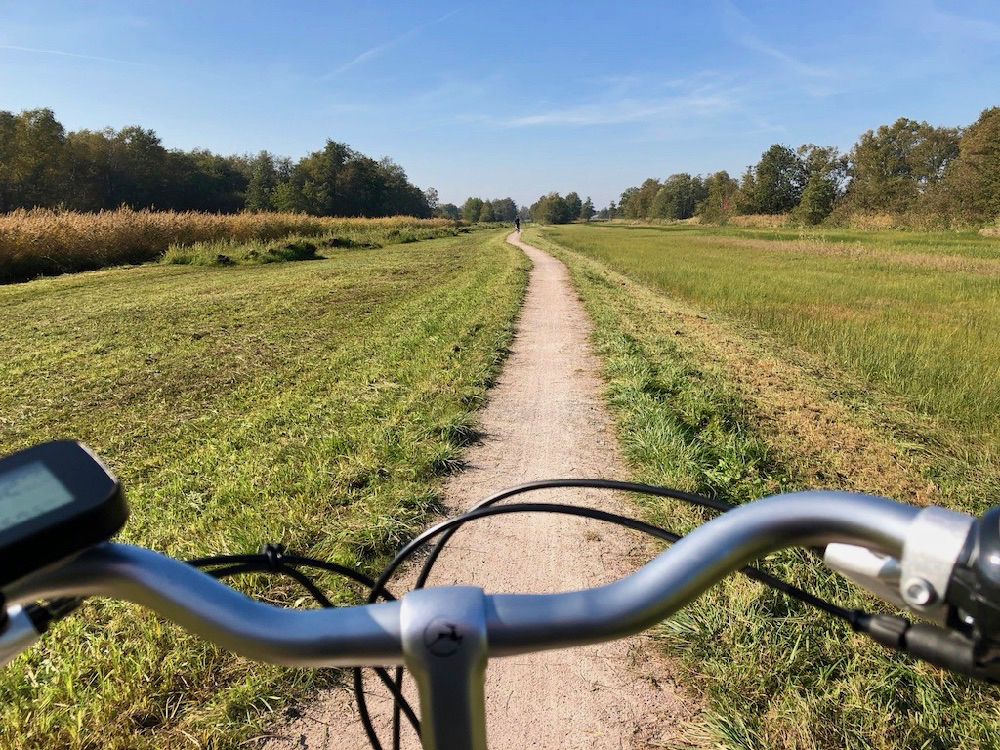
column 43, row 242
column 768, row 221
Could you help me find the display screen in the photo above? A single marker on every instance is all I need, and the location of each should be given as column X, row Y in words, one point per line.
column 29, row 491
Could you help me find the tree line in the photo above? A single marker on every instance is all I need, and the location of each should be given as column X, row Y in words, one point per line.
column 476, row 209
column 916, row 173
column 42, row 165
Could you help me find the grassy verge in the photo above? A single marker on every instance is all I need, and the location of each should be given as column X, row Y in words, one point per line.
column 316, row 404
column 707, row 405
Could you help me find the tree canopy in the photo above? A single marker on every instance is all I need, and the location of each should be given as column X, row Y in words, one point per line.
column 43, row 166
column 910, row 170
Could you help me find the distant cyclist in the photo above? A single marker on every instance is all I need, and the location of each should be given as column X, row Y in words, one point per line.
column 517, row 223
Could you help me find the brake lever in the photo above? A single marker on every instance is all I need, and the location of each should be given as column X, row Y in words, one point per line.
column 948, row 649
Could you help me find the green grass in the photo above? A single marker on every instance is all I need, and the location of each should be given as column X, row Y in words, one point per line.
column 916, row 314
column 771, row 673
column 300, row 247
column 316, row 404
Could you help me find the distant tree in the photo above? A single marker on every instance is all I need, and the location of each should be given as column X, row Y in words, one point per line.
column 34, row 159
column 690, row 191
column 720, row 198
column 431, row 194
column 647, row 192
column 449, row 211
column 550, row 209
column 263, row 178
column 613, row 211
column 826, row 176
column 199, row 181
column 486, row 213
column 573, row 206
column 629, row 205
column 660, row 208
column 775, row 184
column 973, row 182
column 587, row 210
column 893, row 166
column 471, row 209
column 88, row 176
column 287, row 194
column 504, row 209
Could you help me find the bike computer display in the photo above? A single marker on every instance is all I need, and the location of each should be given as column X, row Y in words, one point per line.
column 56, row 499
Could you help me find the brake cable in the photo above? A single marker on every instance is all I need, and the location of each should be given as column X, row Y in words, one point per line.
column 273, row 559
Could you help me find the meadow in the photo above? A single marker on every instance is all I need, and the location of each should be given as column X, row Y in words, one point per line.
column 316, row 404
column 915, row 314
column 742, row 363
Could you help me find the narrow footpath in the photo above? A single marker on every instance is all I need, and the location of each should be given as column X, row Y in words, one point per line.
column 545, row 419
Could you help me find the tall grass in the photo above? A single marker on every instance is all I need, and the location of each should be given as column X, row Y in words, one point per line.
column 42, row 242
column 915, row 314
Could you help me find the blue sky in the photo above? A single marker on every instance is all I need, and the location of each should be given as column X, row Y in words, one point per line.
column 505, row 99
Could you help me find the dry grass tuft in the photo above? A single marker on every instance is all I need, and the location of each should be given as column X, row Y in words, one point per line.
column 760, row 221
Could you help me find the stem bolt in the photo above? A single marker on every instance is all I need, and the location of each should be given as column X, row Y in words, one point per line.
column 918, row 592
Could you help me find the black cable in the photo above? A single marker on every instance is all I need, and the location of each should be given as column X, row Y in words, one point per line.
column 601, row 484
column 377, row 588
column 484, row 509
column 273, row 560
column 332, row 567
column 750, row 571
column 484, row 512
column 291, row 560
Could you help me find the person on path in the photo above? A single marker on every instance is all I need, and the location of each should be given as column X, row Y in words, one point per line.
column 517, row 223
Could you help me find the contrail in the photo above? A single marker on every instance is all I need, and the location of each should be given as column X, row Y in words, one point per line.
column 382, row 47
column 69, row 54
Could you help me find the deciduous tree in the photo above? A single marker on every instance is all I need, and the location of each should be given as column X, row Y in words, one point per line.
column 974, row 180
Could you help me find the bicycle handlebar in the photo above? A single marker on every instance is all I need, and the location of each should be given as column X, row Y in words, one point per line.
column 941, row 564
column 515, row 623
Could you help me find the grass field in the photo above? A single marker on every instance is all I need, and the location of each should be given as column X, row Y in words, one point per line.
column 315, row 403
column 720, row 370
column 916, row 314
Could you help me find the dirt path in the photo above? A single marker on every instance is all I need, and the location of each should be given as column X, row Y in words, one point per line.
column 545, row 418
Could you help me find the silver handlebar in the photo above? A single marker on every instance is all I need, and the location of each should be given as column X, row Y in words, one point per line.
column 445, row 635
column 516, row 623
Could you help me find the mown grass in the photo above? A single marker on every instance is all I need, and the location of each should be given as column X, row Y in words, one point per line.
column 917, row 314
column 314, row 404
column 772, row 673
column 42, row 242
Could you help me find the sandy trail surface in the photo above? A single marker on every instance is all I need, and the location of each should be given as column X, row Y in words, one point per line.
column 545, row 419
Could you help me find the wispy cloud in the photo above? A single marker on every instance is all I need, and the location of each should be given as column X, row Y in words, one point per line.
column 76, row 55
column 944, row 27
column 379, row 49
column 623, row 111
column 637, row 99
column 743, row 31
